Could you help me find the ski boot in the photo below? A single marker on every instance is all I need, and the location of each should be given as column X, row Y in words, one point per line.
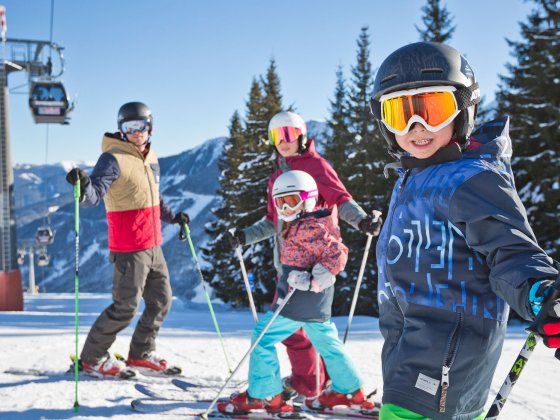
column 288, row 392
column 151, row 363
column 108, row 366
column 329, row 399
column 242, row 403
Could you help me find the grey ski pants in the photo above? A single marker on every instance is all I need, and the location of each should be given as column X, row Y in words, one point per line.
column 136, row 275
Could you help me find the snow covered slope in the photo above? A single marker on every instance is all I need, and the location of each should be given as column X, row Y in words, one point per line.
column 42, row 337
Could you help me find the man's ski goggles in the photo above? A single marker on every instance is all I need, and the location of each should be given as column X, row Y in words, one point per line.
column 435, row 107
column 288, row 134
column 292, row 201
column 135, row 126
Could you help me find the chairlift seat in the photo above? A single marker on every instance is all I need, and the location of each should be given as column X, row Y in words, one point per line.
column 43, row 260
column 49, row 102
column 45, row 236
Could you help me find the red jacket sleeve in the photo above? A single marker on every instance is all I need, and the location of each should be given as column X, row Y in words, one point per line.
column 331, row 188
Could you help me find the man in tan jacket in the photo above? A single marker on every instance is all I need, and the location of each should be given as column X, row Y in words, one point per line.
column 126, row 177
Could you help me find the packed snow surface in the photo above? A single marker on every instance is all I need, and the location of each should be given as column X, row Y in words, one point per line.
column 43, row 336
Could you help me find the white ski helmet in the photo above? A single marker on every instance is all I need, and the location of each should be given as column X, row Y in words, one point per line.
column 294, row 183
column 289, row 119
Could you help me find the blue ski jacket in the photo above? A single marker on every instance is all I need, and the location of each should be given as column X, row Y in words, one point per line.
column 456, row 251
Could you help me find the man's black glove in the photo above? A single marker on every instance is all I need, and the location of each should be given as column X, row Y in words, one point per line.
column 73, row 176
column 181, row 218
column 547, row 322
column 235, row 238
column 371, row 225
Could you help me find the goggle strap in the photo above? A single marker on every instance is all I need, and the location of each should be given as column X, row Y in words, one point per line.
column 467, row 96
column 375, row 108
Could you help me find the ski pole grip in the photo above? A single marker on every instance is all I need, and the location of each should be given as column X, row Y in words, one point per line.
column 77, row 189
column 183, row 232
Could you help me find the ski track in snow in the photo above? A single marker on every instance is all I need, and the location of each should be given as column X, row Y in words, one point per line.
column 43, row 336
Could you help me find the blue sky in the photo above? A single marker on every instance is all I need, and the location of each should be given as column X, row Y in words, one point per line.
column 192, row 61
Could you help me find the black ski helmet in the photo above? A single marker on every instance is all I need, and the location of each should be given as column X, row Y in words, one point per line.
column 428, row 64
column 135, row 111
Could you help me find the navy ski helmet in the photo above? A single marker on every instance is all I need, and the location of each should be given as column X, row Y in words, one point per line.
column 423, row 64
column 135, row 111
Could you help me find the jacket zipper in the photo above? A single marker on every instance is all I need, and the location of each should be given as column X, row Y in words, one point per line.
column 405, row 178
column 449, row 358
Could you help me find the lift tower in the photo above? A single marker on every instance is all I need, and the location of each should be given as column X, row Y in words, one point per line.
column 11, row 296
column 26, row 55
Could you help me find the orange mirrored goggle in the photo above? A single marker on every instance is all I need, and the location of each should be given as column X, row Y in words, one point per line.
column 288, row 134
column 435, row 107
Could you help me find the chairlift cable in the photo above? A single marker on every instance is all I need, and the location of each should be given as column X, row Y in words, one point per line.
column 47, row 217
column 51, row 31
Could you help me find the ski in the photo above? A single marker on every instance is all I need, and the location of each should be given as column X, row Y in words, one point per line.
column 164, row 394
column 35, row 372
column 346, row 412
column 68, row 374
column 196, row 409
column 184, row 385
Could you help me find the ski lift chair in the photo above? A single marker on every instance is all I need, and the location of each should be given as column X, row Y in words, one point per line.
column 43, row 260
column 45, row 235
column 49, row 102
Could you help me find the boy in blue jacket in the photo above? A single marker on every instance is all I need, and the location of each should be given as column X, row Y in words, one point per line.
column 456, row 250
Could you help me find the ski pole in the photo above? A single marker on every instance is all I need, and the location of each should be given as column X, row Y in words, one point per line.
column 247, row 285
column 76, row 281
column 358, row 285
column 188, row 235
column 317, row 373
column 253, row 346
column 520, row 362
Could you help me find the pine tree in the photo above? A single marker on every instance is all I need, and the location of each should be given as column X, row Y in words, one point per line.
column 223, row 272
column 437, row 21
column 272, row 96
column 530, row 95
column 338, row 131
column 248, row 166
column 362, row 173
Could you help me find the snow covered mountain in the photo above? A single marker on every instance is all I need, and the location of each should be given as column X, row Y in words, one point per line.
column 189, row 182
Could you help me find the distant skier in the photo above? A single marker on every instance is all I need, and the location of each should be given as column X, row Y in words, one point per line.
column 312, row 255
column 287, row 132
column 456, row 248
column 127, row 177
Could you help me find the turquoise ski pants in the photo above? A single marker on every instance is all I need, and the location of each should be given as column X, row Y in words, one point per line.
column 264, row 369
